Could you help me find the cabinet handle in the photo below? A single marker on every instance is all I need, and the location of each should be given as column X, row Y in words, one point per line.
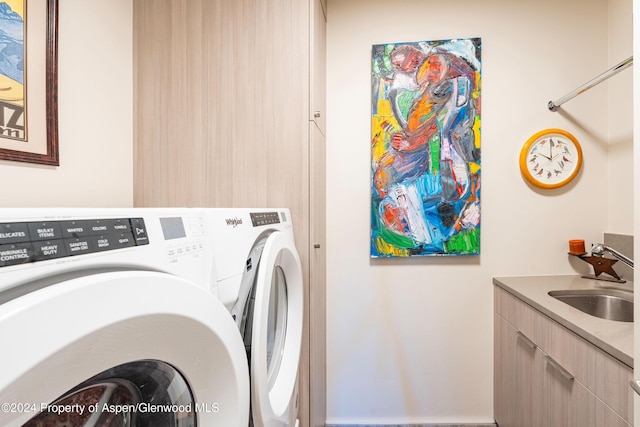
column 316, row 245
column 316, row 114
column 559, row 368
column 527, row 341
column 635, row 385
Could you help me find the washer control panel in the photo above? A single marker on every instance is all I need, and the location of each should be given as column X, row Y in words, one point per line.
column 24, row 242
column 184, row 235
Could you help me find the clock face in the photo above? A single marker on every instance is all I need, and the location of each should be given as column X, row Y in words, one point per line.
column 551, row 158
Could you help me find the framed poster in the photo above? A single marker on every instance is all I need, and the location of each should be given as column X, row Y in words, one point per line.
column 28, row 81
column 425, row 148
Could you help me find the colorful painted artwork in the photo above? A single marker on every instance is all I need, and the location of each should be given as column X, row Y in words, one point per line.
column 425, row 148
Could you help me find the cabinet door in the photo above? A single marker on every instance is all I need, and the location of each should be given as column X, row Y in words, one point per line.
column 318, row 65
column 569, row 403
column 518, row 378
column 560, row 400
column 317, row 280
column 532, row 389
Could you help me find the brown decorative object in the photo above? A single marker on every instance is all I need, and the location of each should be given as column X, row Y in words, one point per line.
column 601, row 265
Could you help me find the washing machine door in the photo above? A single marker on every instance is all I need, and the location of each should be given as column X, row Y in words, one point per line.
column 276, row 334
column 72, row 349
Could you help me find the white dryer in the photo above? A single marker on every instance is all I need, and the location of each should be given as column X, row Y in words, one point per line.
column 260, row 281
column 106, row 318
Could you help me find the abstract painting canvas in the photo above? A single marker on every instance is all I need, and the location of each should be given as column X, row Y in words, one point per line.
column 425, row 148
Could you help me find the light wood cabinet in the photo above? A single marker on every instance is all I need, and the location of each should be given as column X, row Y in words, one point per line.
column 318, row 65
column 518, row 380
column 317, row 288
column 317, row 213
column 225, row 96
column 545, row 375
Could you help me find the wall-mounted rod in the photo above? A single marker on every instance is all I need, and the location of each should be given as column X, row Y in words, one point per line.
column 554, row 105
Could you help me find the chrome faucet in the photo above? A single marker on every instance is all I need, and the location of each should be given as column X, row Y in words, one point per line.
column 600, row 249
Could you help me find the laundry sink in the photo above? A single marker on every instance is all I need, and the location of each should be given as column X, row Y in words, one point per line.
column 610, row 304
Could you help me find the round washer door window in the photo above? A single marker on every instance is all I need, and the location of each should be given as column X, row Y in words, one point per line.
column 141, row 393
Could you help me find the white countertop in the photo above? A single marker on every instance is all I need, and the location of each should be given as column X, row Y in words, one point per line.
column 616, row 338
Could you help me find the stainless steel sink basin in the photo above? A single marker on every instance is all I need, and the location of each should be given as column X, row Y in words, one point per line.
column 610, row 304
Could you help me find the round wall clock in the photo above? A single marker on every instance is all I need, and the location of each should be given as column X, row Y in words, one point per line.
column 551, row 158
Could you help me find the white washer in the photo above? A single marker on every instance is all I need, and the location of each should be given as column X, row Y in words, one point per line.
column 107, row 313
column 260, row 281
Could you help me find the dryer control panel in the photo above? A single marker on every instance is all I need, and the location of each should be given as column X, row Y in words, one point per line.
column 24, row 242
column 259, row 219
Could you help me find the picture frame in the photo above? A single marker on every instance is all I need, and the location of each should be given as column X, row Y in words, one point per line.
column 37, row 142
column 426, row 148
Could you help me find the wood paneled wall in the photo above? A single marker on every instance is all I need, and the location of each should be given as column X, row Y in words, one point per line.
column 222, row 116
column 221, row 106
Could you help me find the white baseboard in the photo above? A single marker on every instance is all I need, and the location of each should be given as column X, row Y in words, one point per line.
column 412, row 425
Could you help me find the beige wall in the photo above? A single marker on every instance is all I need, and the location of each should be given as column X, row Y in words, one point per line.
column 94, row 111
column 411, row 341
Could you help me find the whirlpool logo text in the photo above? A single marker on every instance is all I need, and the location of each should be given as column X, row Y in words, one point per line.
column 233, row 222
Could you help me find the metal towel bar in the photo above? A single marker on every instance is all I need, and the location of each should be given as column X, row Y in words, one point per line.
column 554, row 105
